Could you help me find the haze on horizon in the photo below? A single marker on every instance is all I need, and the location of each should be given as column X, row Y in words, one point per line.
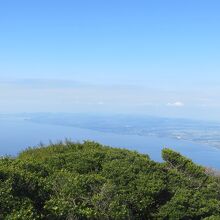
column 144, row 57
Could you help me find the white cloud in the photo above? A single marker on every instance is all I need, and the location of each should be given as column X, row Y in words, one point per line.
column 42, row 83
column 100, row 103
column 176, row 104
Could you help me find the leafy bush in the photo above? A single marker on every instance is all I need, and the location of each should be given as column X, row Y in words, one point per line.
column 90, row 181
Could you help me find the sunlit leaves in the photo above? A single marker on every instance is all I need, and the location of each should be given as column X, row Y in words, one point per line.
column 90, row 181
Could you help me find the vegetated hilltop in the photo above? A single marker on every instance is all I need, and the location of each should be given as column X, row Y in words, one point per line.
column 90, row 181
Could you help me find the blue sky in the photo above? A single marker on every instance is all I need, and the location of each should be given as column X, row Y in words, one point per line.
column 148, row 57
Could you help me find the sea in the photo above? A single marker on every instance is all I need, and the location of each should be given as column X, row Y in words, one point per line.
column 18, row 134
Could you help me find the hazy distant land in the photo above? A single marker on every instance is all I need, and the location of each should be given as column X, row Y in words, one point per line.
column 203, row 132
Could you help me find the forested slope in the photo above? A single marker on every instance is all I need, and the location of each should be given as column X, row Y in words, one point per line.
column 90, row 181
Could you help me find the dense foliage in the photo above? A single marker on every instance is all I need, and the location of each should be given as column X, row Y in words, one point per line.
column 90, row 181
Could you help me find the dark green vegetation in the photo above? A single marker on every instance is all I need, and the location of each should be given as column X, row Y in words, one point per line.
column 89, row 181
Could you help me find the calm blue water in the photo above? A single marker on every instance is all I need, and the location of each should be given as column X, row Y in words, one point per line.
column 16, row 135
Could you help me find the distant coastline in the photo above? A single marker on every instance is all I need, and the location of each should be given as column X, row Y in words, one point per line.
column 202, row 132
